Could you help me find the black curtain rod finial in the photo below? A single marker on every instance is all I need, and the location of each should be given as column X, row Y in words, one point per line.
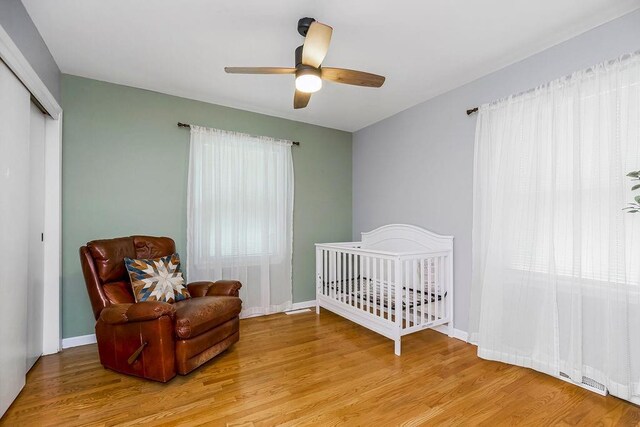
column 471, row 111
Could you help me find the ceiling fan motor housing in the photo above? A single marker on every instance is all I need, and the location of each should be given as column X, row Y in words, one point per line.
column 303, row 26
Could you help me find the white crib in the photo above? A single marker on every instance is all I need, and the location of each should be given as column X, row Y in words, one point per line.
column 396, row 281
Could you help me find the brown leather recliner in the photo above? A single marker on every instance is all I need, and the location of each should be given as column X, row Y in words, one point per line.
column 154, row 339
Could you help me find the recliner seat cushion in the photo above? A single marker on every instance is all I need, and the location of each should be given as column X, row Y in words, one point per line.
column 197, row 315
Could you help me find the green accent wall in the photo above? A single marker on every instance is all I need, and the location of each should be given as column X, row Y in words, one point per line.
column 124, row 172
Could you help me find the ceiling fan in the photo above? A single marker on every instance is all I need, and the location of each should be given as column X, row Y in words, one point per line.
column 308, row 70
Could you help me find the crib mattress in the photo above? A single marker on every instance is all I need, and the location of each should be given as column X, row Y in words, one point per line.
column 372, row 287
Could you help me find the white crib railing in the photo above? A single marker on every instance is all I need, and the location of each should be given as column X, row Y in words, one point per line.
column 392, row 293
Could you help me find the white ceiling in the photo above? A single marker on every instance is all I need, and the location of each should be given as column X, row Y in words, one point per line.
column 424, row 48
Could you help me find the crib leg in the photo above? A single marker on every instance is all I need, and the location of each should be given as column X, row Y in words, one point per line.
column 317, row 307
column 397, row 346
column 450, row 329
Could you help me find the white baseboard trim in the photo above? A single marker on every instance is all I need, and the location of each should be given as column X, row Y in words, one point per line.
column 303, row 304
column 91, row 339
column 457, row 333
column 78, row 341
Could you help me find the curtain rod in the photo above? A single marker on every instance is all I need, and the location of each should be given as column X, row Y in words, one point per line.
column 471, row 111
column 187, row 125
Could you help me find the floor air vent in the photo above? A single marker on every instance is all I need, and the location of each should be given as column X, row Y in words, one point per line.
column 587, row 383
column 302, row 310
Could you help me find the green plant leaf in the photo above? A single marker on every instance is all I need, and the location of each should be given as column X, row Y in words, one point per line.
column 635, row 187
column 637, row 199
column 633, row 174
column 632, row 211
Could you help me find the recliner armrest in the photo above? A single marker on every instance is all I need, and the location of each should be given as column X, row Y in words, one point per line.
column 199, row 289
column 224, row 288
column 146, row 310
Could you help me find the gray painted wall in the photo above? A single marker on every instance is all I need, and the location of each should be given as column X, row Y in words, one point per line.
column 18, row 24
column 417, row 167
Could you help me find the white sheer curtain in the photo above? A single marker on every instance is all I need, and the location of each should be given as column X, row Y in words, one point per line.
column 556, row 274
column 240, row 215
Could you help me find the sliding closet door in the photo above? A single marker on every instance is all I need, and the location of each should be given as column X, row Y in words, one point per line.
column 14, row 229
column 35, row 289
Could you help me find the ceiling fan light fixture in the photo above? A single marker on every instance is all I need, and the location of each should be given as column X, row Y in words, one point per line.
column 308, row 80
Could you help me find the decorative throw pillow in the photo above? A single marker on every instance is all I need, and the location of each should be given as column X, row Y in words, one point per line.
column 158, row 279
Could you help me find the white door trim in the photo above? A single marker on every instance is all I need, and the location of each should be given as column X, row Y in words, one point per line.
column 52, row 328
column 18, row 64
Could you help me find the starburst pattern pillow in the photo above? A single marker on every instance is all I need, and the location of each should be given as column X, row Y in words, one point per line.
column 158, row 279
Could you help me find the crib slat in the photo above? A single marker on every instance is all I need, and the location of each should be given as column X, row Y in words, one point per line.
column 443, row 306
column 338, row 274
column 322, row 275
column 356, row 275
column 381, row 288
column 436, row 282
column 387, row 291
column 443, row 278
column 324, row 272
column 352, row 277
column 413, row 293
column 345, row 273
column 348, row 284
column 396, row 282
column 327, row 279
column 390, row 290
column 327, row 276
column 410, row 284
column 359, row 283
column 347, row 269
column 425, row 303
column 360, row 272
column 429, row 287
column 330, row 275
column 374, row 286
column 342, row 275
column 354, row 284
column 336, row 287
column 369, row 277
column 406, row 282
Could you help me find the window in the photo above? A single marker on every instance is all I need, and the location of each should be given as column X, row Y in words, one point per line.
column 241, row 196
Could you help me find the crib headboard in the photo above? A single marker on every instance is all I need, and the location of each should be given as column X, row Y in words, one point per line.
column 405, row 238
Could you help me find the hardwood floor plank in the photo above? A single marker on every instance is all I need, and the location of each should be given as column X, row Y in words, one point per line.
column 313, row 370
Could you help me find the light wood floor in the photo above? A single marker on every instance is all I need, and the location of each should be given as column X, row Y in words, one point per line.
column 309, row 370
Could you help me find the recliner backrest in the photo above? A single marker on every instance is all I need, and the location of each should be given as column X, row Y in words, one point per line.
column 104, row 271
